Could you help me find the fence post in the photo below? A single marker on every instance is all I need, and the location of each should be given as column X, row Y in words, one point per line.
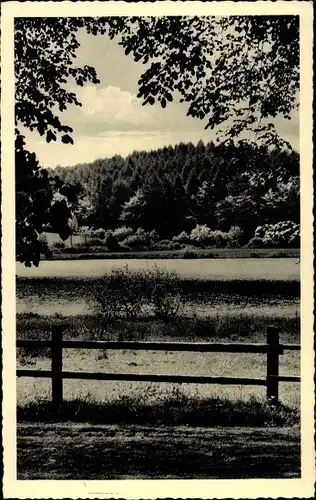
column 273, row 351
column 57, row 365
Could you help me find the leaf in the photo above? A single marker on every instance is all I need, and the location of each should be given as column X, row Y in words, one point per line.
column 50, row 136
column 66, row 139
column 163, row 102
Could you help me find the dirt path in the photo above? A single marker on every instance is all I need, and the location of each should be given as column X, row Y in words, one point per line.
column 64, row 451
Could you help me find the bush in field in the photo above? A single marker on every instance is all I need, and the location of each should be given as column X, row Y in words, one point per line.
column 97, row 242
column 201, row 235
column 111, row 242
column 167, row 245
column 282, row 234
column 59, row 244
column 121, row 294
column 85, row 232
column 182, row 238
column 164, row 293
column 138, row 241
column 98, row 234
column 235, row 236
column 154, row 236
column 256, row 242
column 124, row 294
column 219, row 239
column 188, row 253
column 123, row 232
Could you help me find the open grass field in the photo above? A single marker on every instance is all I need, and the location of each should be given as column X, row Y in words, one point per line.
column 282, row 269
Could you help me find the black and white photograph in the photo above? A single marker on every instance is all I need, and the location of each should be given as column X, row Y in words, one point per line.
column 157, row 249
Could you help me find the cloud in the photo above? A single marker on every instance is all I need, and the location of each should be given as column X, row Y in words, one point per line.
column 112, row 108
column 114, row 105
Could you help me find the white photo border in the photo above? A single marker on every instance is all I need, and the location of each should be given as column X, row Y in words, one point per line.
column 250, row 488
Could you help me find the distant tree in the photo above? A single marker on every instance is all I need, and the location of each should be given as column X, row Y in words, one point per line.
column 133, row 211
column 83, row 210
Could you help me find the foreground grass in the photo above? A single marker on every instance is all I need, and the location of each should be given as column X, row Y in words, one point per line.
column 176, row 409
column 197, row 253
column 81, row 451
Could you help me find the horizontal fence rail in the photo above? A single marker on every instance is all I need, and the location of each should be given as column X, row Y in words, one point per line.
column 272, row 349
column 138, row 377
column 159, row 346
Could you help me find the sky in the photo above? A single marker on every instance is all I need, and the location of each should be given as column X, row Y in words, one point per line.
column 113, row 121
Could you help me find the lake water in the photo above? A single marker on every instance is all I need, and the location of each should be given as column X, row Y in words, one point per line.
column 223, row 269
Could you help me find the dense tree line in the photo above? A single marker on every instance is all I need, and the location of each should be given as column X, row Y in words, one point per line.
column 173, row 189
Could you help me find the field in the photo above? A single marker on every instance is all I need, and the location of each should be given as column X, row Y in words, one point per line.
column 228, row 269
column 220, row 308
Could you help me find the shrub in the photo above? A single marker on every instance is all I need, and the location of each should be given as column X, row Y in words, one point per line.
column 177, row 245
column 123, row 232
column 204, row 236
column 235, row 236
column 256, row 242
column 85, row 232
column 138, row 241
column 154, row 236
column 165, row 245
column 59, row 244
column 201, row 235
column 120, row 294
column 282, row 234
column 124, row 294
column 164, row 293
column 188, row 253
column 182, row 238
column 97, row 241
column 219, row 238
column 98, row 234
column 111, row 242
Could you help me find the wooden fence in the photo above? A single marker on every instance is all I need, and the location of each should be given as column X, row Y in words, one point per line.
column 273, row 349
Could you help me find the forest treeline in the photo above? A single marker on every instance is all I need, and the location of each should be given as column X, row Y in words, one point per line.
column 176, row 188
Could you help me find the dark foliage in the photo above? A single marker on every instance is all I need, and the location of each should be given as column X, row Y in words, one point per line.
column 178, row 187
